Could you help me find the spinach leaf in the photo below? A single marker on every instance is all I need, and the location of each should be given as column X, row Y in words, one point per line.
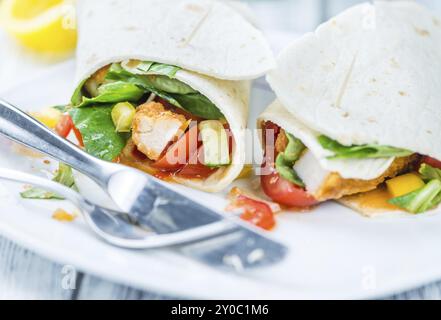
column 164, row 69
column 63, row 176
column 362, row 151
column 150, row 68
column 98, row 131
column 172, row 90
column 114, row 92
column 156, row 83
column 77, row 96
column 285, row 161
column 199, row 105
column 166, row 84
column 117, row 73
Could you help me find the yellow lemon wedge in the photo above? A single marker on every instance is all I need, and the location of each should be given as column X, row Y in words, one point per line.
column 44, row 26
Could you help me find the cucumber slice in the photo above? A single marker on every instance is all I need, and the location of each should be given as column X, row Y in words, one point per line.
column 215, row 141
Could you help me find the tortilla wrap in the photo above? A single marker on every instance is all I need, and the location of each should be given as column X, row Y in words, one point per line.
column 347, row 168
column 232, row 99
column 364, row 169
column 205, row 36
column 368, row 76
column 108, row 42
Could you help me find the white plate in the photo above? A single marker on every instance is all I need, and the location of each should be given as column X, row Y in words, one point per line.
column 335, row 253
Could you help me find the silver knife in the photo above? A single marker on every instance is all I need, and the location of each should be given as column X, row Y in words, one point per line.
column 150, row 202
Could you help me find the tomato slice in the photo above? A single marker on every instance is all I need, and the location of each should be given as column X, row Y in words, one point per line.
column 196, row 168
column 277, row 188
column 256, row 212
column 64, row 126
column 178, row 155
column 78, row 136
column 432, row 162
column 286, row 193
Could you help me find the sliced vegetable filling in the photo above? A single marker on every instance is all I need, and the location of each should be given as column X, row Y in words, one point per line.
column 140, row 114
column 411, row 186
column 279, row 180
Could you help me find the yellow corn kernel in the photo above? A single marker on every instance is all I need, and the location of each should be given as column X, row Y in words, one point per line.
column 404, row 184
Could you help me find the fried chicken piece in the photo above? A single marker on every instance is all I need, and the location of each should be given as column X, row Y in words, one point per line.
column 154, row 128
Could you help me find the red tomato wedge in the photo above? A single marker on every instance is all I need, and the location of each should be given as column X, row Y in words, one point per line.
column 286, row 193
column 78, row 136
column 196, row 168
column 278, row 189
column 178, row 155
column 432, row 162
column 256, row 212
column 64, row 126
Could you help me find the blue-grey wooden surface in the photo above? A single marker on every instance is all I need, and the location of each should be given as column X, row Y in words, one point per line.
column 25, row 275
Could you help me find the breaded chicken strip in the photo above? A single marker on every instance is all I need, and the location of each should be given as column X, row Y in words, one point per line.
column 154, row 128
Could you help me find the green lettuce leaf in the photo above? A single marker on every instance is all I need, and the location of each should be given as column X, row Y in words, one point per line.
column 63, row 176
column 362, row 151
column 174, row 91
column 161, row 80
column 285, row 161
column 77, row 96
column 117, row 73
column 114, row 92
column 151, row 68
column 421, row 200
column 199, row 105
column 166, row 84
column 163, row 69
column 98, row 131
column 429, row 173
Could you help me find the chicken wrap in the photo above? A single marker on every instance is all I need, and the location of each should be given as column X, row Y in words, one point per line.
column 163, row 86
column 357, row 114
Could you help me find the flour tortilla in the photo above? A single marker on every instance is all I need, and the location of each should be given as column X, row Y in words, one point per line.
column 205, row 36
column 108, row 42
column 232, row 98
column 362, row 169
column 351, row 203
column 369, row 75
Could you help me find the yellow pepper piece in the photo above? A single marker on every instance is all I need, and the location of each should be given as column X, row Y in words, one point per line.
column 49, row 117
column 247, row 171
column 63, row 216
column 404, row 184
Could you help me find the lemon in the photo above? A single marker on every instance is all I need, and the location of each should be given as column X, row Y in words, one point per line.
column 44, row 26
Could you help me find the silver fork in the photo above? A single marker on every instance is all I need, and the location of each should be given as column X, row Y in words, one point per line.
column 113, row 226
column 150, row 202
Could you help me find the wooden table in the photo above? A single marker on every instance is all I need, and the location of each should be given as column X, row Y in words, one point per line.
column 25, row 275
